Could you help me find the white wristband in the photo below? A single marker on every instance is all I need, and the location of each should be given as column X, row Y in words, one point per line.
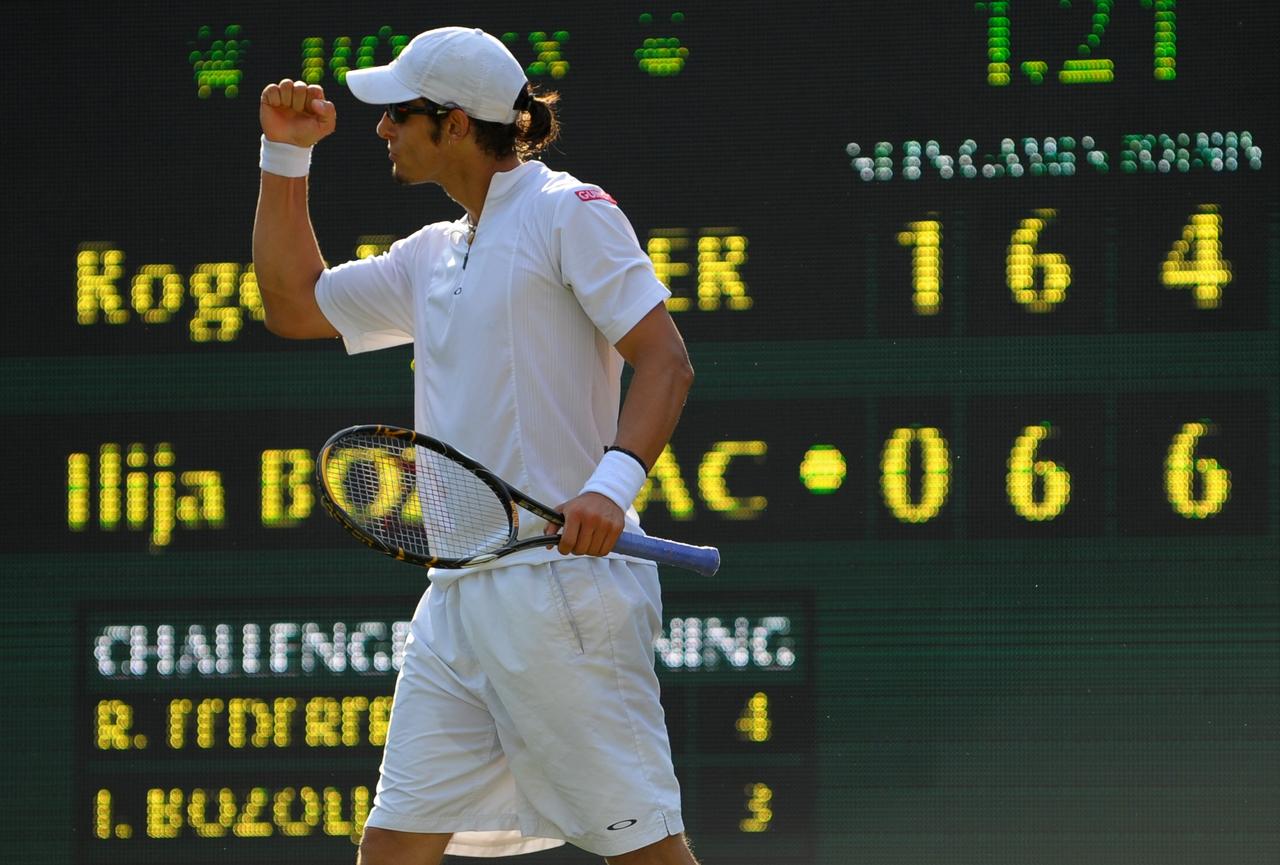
column 618, row 478
column 286, row 160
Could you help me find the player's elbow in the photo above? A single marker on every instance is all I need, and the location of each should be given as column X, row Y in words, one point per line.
column 281, row 327
column 277, row 317
column 672, row 359
column 685, row 371
column 299, row 326
column 680, row 371
column 291, row 312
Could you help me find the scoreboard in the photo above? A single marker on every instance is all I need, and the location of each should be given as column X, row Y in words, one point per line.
column 984, row 304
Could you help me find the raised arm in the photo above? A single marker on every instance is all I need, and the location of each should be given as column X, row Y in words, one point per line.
column 286, row 255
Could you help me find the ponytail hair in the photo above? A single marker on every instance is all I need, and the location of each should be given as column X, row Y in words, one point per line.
column 541, row 126
column 535, row 128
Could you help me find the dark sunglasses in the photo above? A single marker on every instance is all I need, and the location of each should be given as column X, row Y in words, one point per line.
column 399, row 113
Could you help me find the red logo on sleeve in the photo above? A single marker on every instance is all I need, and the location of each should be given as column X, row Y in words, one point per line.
column 595, row 195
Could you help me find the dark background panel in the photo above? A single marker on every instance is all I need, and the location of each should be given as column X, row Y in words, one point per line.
column 1146, row 302
column 1064, row 242
column 896, row 257
column 975, row 689
column 1074, row 444
column 787, row 469
column 1232, row 435
column 266, row 502
column 921, row 517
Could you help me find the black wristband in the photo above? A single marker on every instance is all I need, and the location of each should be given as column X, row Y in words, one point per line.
column 635, row 456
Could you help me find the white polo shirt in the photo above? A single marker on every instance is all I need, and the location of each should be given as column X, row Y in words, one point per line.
column 513, row 338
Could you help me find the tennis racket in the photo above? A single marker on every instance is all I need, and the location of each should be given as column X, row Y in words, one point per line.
column 419, row 500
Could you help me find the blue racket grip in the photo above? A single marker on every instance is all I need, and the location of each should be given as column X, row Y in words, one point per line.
column 703, row 560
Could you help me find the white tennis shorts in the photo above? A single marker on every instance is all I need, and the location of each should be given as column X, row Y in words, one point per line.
column 526, row 713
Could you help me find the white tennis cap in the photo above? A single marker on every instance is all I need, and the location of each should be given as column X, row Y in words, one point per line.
column 458, row 66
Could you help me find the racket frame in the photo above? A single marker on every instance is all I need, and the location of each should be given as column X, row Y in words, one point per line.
column 704, row 560
column 511, row 498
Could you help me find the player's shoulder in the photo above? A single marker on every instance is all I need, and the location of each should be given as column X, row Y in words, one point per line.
column 439, row 231
column 560, row 189
column 429, row 237
column 411, row 252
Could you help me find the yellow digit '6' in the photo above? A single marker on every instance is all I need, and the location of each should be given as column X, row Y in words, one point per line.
column 1022, row 262
column 1182, row 467
column 1024, row 469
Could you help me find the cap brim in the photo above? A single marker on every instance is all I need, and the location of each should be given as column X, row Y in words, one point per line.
column 378, row 86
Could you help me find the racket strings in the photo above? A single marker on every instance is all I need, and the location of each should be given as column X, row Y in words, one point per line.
column 415, row 499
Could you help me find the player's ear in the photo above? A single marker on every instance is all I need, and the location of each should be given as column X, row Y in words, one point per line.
column 456, row 125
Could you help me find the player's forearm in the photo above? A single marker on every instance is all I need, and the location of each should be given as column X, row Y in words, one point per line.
column 653, row 403
column 287, row 259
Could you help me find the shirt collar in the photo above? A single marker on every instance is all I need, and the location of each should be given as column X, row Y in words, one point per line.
column 501, row 186
column 505, row 182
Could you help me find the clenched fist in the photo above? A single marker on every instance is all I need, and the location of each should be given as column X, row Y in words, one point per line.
column 295, row 112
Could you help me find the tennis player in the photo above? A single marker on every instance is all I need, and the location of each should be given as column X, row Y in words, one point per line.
column 526, row 712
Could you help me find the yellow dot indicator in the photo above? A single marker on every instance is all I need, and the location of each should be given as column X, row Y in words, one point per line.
column 823, row 469
column 139, row 741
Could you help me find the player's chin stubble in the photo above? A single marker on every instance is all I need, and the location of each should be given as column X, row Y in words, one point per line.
column 400, row 179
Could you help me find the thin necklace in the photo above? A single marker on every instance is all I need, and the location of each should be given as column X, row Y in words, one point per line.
column 471, row 237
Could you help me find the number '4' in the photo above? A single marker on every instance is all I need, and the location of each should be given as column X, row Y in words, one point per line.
column 1195, row 260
